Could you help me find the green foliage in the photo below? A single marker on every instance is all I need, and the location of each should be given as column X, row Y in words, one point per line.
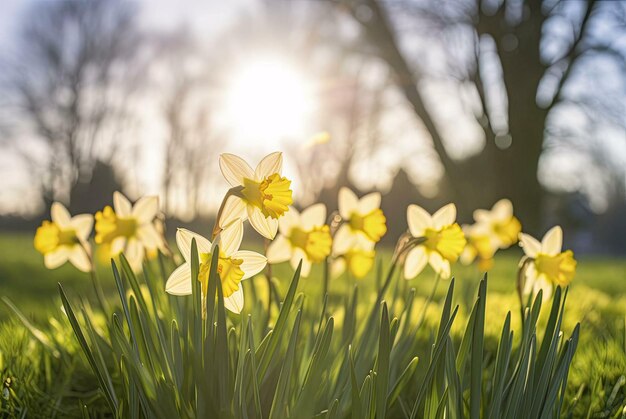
column 168, row 360
column 354, row 353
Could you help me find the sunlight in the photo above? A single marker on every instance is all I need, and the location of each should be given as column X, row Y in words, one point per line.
column 273, row 99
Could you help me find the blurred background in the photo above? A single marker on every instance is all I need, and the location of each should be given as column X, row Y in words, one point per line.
column 427, row 101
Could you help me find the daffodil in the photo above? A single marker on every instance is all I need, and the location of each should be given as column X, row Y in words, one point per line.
column 65, row 238
column 480, row 245
column 129, row 229
column 358, row 260
column 303, row 236
column 501, row 222
column 262, row 195
column 234, row 265
column 549, row 265
column 443, row 240
column 363, row 218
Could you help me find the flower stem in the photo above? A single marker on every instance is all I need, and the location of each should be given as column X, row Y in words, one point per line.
column 268, row 276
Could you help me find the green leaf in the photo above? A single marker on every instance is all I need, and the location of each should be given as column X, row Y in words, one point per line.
column 476, row 360
column 382, row 371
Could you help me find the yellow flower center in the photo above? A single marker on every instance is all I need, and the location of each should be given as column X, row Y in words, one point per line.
column 272, row 195
column 371, row 224
column 228, row 269
column 315, row 243
column 507, row 230
column 50, row 237
column 359, row 262
column 558, row 269
column 448, row 241
column 109, row 226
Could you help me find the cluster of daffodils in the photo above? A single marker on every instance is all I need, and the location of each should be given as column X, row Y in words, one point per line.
column 134, row 230
column 344, row 240
column 261, row 196
column 493, row 230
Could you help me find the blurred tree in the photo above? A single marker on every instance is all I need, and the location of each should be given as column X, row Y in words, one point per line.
column 75, row 66
column 192, row 142
column 518, row 57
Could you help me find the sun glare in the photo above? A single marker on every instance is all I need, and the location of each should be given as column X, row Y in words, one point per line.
column 269, row 100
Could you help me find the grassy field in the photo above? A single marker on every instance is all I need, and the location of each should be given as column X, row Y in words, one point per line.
column 597, row 299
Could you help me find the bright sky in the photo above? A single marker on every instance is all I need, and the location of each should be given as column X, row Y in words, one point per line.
column 270, row 101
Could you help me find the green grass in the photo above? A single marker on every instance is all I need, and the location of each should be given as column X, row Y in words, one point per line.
column 597, row 299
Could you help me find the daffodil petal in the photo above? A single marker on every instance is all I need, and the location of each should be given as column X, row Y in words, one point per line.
column 272, row 163
column 149, row 236
column 230, row 237
column 183, row 241
column 300, row 255
column 416, row 260
column 80, row 259
column 348, row 202
column 82, row 223
column 289, row 220
column 117, row 245
column 553, row 241
column 530, row 245
column 235, row 169
column 57, row 258
column 313, row 216
column 146, row 209
column 252, row 264
column 337, row 267
column 279, row 250
column 439, row 265
column 235, row 208
column 418, row 220
column 122, row 205
column 60, row 215
column 234, row 302
column 445, row 216
column 134, row 253
column 179, row 282
column 502, row 210
column 267, row 227
column 343, row 240
column 369, row 203
column 482, row 216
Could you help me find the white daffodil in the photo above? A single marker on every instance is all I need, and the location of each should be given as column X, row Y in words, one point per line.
column 303, row 236
column 129, row 229
column 263, row 195
column 234, row 265
column 444, row 240
column 358, row 260
column 549, row 265
column 363, row 220
column 65, row 238
column 503, row 226
column 480, row 245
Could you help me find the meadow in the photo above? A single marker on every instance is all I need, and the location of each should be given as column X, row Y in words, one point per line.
column 56, row 381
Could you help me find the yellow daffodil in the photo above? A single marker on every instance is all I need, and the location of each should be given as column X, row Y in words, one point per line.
column 234, row 265
column 303, row 236
column 501, row 222
column 65, row 238
column 358, row 260
column 444, row 240
column 549, row 265
column 480, row 245
column 363, row 219
column 263, row 195
column 129, row 229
